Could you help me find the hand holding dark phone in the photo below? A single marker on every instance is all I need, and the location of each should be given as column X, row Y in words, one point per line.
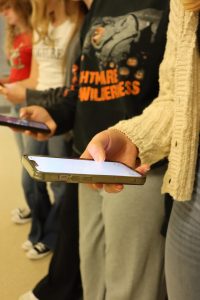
column 23, row 124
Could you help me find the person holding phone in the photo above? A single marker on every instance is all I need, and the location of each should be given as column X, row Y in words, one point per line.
column 13, row 122
column 115, row 79
column 63, row 278
column 54, row 23
column 44, row 168
column 170, row 126
column 18, row 40
column 18, row 49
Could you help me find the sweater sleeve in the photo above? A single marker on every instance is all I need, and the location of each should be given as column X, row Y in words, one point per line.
column 45, row 98
column 60, row 106
column 63, row 112
column 151, row 132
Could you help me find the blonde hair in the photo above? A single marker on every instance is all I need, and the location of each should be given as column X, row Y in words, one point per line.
column 77, row 11
column 24, row 9
column 41, row 18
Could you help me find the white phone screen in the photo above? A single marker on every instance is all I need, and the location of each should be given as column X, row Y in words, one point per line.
column 81, row 166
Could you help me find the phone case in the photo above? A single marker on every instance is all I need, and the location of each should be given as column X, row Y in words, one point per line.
column 30, row 166
column 14, row 122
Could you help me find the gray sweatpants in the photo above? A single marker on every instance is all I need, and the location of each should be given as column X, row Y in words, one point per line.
column 121, row 248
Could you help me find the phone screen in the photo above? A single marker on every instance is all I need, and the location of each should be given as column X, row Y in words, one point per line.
column 17, row 122
column 81, row 166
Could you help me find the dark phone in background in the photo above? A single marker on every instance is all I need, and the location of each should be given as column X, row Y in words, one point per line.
column 14, row 122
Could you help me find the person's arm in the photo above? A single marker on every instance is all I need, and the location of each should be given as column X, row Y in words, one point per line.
column 38, row 114
column 4, row 80
column 147, row 136
column 152, row 131
column 114, row 146
column 59, row 116
column 16, row 92
column 61, row 107
column 60, row 102
column 47, row 98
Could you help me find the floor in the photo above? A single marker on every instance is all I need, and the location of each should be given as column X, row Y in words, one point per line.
column 17, row 273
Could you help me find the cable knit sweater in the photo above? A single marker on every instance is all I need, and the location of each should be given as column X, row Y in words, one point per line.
column 170, row 126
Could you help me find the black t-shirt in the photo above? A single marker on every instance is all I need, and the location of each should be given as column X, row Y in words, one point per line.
column 122, row 46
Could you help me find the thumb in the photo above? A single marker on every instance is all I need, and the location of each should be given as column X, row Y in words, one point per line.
column 25, row 112
column 97, row 151
column 94, row 151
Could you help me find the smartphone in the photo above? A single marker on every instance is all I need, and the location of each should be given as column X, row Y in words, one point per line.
column 51, row 169
column 23, row 124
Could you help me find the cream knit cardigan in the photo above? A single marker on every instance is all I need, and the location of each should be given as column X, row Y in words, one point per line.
column 170, row 126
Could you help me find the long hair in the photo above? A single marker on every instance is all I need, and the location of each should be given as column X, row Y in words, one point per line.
column 41, row 18
column 76, row 12
column 23, row 8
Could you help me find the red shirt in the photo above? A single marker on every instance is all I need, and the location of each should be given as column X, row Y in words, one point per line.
column 20, row 57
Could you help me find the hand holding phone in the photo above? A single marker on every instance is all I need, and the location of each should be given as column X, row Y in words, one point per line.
column 51, row 169
column 23, row 124
column 38, row 114
column 113, row 145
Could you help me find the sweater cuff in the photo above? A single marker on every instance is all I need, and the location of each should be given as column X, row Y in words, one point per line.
column 152, row 136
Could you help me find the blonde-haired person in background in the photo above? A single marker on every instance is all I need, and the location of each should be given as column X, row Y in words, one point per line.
column 54, row 23
column 170, row 126
column 63, row 279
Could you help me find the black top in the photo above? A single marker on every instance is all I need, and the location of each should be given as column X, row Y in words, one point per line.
column 116, row 76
